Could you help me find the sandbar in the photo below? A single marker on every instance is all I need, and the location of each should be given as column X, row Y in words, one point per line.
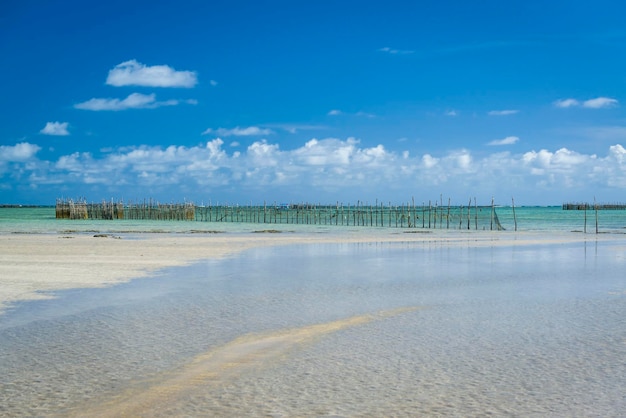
column 34, row 265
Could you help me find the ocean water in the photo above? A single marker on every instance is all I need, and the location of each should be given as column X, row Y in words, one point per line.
column 415, row 328
column 388, row 329
column 540, row 218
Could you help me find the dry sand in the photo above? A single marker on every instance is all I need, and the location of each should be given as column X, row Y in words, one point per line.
column 32, row 265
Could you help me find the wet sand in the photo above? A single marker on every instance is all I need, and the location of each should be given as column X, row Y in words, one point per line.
column 33, row 265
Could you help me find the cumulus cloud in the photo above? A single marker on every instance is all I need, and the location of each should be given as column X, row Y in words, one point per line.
column 22, row 151
column 335, row 112
column 597, row 103
column 133, row 101
column 451, row 113
column 134, row 73
column 502, row 112
column 55, row 128
column 320, row 168
column 509, row 140
column 237, row 131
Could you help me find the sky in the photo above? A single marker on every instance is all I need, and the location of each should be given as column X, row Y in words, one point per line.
column 245, row 102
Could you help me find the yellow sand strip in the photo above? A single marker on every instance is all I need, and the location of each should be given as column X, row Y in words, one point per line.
column 218, row 366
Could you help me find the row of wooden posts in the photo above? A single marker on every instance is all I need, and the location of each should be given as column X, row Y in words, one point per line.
column 400, row 216
column 147, row 210
column 594, row 206
column 409, row 215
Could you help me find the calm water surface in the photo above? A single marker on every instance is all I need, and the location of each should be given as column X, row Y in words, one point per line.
column 548, row 218
column 519, row 330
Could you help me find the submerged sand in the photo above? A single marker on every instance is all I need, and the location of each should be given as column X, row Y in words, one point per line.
column 507, row 345
column 34, row 265
column 217, row 366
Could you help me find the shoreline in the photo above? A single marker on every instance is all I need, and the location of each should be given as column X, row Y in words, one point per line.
column 33, row 265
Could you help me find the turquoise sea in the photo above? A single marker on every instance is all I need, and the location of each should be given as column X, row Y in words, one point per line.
column 412, row 328
column 536, row 218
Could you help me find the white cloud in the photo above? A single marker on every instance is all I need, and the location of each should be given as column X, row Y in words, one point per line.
column 19, row 152
column 429, row 161
column 600, row 102
column 509, row 140
column 134, row 73
column 395, row 51
column 133, row 101
column 323, row 169
column 597, row 103
column 237, row 131
column 502, row 112
column 564, row 103
column 618, row 152
column 337, row 112
column 55, row 128
column 213, row 83
column 451, row 113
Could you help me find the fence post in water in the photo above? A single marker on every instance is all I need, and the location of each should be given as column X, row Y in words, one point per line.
column 492, row 209
column 596, row 210
column 514, row 217
column 461, row 217
column 429, row 208
column 441, row 209
column 376, row 212
column 475, row 214
column 342, row 214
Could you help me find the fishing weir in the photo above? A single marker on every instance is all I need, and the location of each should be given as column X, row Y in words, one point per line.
column 594, row 206
column 148, row 210
column 410, row 215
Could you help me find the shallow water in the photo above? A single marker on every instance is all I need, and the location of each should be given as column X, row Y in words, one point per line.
column 518, row 330
column 545, row 218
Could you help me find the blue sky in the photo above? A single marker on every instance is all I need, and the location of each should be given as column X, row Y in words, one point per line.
column 324, row 101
